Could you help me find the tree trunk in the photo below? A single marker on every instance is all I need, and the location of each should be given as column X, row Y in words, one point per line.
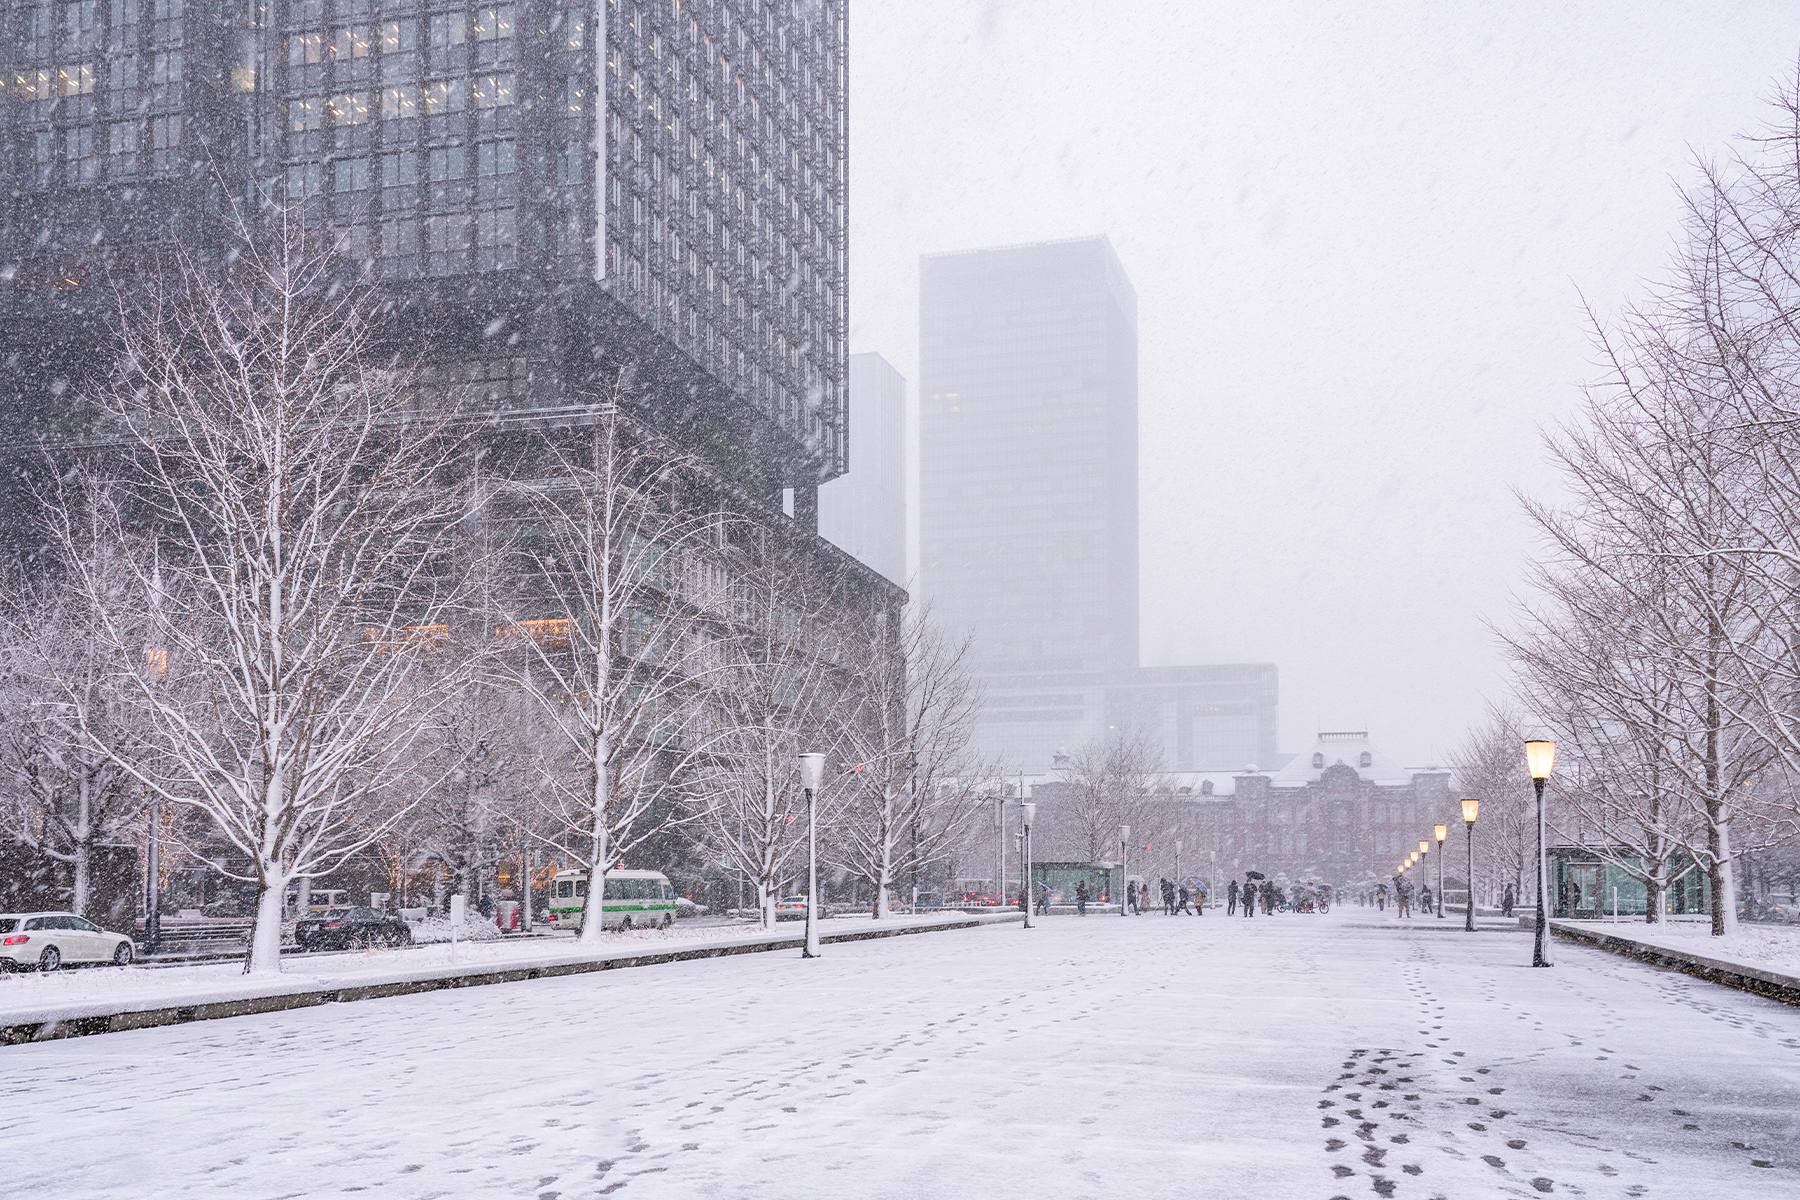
column 83, row 860
column 593, row 913
column 1721, row 877
column 1655, row 887
column 265, row 935
column 881, row 887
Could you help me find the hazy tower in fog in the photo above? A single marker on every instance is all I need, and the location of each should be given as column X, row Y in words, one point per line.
column 1028, row 478
column 864, row 509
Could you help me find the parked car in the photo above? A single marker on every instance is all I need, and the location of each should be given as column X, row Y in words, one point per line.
column 341, row 928
column 793, row 908
column 45, row 941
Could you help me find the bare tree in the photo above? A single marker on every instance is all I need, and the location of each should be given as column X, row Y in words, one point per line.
column 1108, row 782
column 783, row 690
column 61, row 710
column 285, row 521
column 1643, row 650
column 915, row 786
column 469, row 777
column 614, row 635
column 1490, row 767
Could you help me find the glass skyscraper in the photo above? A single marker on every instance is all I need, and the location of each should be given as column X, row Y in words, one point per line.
column 1028, row 513
column 551, row 191
column 1028, row 480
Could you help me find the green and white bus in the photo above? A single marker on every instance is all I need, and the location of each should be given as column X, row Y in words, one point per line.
column 633, row 900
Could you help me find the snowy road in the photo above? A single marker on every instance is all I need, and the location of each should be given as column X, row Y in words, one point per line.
column 1159, row 1058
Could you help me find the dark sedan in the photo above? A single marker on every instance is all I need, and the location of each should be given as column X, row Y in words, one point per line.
column 341, row 928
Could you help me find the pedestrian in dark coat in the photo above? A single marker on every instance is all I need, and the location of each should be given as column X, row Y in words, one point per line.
column 1081, row 897
column 1231, row 899
column 1182, row 905
column 1507, row 902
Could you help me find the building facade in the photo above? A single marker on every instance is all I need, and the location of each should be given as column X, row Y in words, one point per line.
column 1340, row 812
column 864, row 509
column 1028, row 532
column 556, row 195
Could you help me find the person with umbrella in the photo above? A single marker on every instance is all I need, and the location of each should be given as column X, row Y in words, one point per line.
column 1250, row 878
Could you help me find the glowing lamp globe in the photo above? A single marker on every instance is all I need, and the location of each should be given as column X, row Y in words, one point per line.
column 1540, row 756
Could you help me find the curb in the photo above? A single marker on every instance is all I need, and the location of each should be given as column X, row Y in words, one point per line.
column 1771, row 984
column 49, row 1028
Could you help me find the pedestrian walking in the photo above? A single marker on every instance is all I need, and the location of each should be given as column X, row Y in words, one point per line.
column 1081, row 898
column 1182, row 905
column 1249, row 898
column 1507, row 902
column 1168, row 898
column 1131, row 895
column 1199, row 899
column 1425, row 900
column 1231, row 899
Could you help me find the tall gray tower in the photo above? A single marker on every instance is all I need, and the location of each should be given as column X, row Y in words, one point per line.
column 1028, row 516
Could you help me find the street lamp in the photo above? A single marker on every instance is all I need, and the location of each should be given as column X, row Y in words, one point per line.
column 812, row 770
column 1027, row 812
column 1470, row 809
column 1440, row 832
column 1124, row 868
column 1540, row 756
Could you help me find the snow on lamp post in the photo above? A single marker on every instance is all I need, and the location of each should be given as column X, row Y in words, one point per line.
column 812, row 770
column 1440, row 832
column 1470, row 809
column 1540, row 756
column 1027, row 812
column 1124, row 868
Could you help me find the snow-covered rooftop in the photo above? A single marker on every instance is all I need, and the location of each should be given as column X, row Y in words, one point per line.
column 1351, row 748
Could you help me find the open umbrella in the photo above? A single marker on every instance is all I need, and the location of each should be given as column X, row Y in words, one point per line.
column 1254, row 875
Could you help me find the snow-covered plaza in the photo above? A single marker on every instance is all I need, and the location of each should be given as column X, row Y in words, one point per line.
column 1293, row 1056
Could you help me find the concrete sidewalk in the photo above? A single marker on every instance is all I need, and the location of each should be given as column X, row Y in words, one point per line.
column 23, row 1021
column 1749, row 977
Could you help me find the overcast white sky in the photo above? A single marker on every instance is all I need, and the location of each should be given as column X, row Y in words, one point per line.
column 1357, row 231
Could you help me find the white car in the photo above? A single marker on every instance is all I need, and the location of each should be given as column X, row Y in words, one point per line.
column 44, row 941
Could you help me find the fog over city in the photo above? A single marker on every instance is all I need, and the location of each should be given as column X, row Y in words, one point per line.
column 1360, row 236
column 899, row 599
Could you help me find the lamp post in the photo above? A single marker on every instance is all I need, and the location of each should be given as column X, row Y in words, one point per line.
column 1470, row 809
column 1027, row 812
column 1124, row 868
column 812, row 770
column 1440, row 832
column 1000, row 849
column 1540, row 756
column 153, row 899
